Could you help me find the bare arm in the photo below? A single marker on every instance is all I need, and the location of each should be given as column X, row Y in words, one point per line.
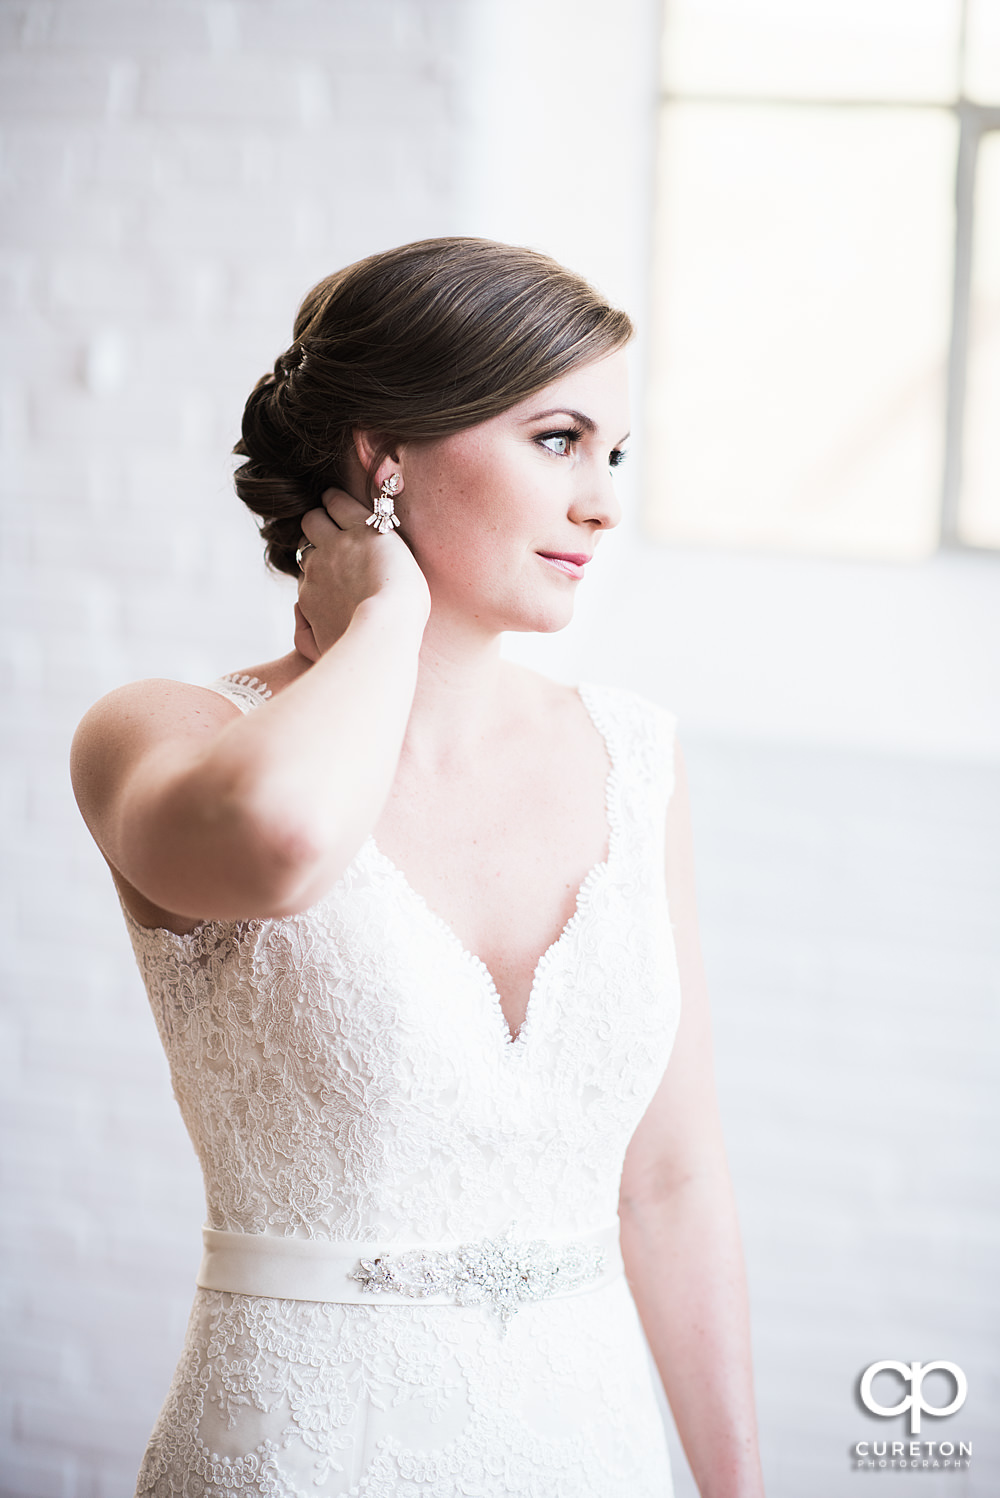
column 212, row 815
column 680, row 1239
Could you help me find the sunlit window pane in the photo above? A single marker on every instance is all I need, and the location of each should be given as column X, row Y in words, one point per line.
column 979, row 516
column 982, row 51
column 882, row 49
column 801, row 327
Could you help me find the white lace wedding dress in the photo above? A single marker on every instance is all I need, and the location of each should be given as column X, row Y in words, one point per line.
column 347, row 1076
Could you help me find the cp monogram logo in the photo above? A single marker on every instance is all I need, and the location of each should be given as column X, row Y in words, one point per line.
column 913, row 1374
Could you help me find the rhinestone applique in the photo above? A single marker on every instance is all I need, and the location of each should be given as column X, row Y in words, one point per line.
column 502, row 1271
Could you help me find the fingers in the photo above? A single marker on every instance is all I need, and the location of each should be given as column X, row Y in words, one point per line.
column 343, row 510
column 340, row 513
column 317, row 526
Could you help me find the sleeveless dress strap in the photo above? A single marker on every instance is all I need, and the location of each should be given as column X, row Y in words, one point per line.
column 247, row 692
column 640, row 737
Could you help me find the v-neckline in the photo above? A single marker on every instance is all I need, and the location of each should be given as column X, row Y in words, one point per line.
column 254, row 692
column 514, row 1040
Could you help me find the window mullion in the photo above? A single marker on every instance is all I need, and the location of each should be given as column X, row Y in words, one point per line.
column 970, row 129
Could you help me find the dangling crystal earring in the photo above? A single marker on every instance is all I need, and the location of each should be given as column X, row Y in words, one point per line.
column 384, row 517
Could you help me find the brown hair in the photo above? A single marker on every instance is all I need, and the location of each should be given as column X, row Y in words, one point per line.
column 416, row 342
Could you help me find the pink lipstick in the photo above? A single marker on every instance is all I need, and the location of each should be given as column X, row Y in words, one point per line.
column 570, row 562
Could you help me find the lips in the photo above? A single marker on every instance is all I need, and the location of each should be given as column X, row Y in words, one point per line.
column 570, row 562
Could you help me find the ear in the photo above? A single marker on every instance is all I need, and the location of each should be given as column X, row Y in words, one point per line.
column 377, row 461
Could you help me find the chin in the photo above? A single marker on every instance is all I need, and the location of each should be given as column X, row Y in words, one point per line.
column 543, row 619
column 521, row 610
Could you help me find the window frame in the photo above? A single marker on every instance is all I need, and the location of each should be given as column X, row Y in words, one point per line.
column 975, row 120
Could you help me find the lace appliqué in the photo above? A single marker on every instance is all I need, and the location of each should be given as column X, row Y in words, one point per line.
column 279, row 1399
column 346, row 1074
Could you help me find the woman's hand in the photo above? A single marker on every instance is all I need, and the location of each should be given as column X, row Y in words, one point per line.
column 348, row 562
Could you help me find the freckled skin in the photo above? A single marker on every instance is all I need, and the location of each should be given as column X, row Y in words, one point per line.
column 479, row 506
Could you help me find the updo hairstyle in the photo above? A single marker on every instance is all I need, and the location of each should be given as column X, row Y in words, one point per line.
column 417, row 342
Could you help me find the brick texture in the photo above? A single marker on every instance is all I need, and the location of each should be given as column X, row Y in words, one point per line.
column 174, row 178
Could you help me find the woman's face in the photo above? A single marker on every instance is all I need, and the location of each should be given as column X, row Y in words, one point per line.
column 503, row 517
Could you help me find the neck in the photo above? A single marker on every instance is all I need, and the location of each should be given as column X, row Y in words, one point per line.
column 459, row 694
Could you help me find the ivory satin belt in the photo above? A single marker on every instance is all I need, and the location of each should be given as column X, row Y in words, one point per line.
column 318, row 1269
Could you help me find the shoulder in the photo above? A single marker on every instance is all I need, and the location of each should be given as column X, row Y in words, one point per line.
column 143, row 705
column 137, row 721
column 642, row 744
column 628, row 715
column 133, row 721
column 180, row 707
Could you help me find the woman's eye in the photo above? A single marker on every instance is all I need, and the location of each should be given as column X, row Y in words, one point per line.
column 562, row 444
column 559, row 443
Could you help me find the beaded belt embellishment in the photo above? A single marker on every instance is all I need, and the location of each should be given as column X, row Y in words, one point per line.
column 502, row 1271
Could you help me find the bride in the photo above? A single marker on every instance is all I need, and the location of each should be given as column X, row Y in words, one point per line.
column 401, row 908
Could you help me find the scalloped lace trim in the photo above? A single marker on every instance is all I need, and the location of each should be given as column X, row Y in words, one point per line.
column 246, row 691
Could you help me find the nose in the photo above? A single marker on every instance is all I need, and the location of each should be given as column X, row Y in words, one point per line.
column 596, row 504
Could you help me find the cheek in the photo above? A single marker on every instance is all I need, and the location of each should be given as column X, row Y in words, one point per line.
column 472, row 505
column 479, row 504
column 454, row 543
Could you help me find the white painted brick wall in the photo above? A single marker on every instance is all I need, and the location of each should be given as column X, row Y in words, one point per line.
column 173, row 176
column 849, row 903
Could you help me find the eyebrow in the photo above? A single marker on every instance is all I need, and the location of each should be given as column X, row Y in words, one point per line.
column 578, row 416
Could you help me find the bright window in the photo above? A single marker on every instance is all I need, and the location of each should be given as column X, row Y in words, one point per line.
column 826, row 335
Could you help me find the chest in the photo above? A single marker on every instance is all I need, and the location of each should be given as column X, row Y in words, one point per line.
column 499, row 849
